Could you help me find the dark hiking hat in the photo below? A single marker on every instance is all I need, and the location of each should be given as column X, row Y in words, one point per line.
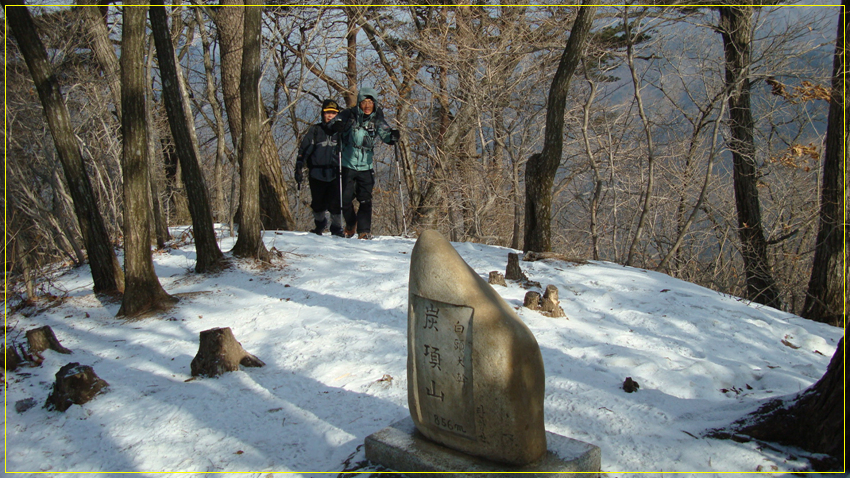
column 330, row 105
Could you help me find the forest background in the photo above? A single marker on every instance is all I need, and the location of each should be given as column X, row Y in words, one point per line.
column 645, row 176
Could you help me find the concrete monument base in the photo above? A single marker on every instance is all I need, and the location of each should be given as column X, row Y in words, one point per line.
column 402, row 448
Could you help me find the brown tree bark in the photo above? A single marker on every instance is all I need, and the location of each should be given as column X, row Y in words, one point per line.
column 274, row 206
column 353, row 17
column 736, row 28
column 11, row 358
column 212, row 96
column 497, row 278
column 103, row 51
column 106, row 271
column 43, row 338
column 513, row 271
column 143, row 291
column 249, row 243
column 550, row 304
column 75, row 384
column 541, row 168
column 825, row 297
column 220, row 352
column 177, row 107
column 160, row 228
column 531, row 300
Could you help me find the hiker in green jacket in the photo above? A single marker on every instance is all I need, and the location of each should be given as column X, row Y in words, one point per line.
column 359, row 126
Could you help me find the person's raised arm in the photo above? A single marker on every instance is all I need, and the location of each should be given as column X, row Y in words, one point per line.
column 388, row 135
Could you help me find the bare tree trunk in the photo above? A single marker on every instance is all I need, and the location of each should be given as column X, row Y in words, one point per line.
column 825, row 296
column 65, row 221
column 249, row 243
column 20, row 250
column 274, row 206
column 517, row 204
column 736, row 29
column 144, row 292
column 541, row 168
column 160, row 227
column 186, row 143
column 594, row 168
column 650, row 147
column 106, row 271
column 212, row 97
column 350, row 94
column 103, row 51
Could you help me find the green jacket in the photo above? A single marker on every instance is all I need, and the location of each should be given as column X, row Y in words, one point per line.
column 358, row 132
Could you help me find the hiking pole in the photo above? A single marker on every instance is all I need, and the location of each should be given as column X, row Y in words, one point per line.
column 400, row 195
column 339, row 160
column 297, row 201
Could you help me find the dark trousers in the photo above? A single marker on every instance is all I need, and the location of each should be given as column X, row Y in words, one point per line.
column 357, row 184
column 325, row 195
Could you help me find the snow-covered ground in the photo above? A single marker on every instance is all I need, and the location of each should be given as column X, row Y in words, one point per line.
column 329, row 320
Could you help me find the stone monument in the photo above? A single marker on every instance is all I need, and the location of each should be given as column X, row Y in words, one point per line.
column 474, row 368
column 475, row 380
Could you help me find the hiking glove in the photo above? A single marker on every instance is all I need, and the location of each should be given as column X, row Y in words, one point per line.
column 395, row 136
column 299, row 175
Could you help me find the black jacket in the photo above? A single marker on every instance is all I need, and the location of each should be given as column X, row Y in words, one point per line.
column 319, row 150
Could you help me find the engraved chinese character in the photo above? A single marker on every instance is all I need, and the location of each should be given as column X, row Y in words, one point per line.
column 459, row 328
column 434, row 357
column 459, row 345
column 432, row 392
column 431, row 315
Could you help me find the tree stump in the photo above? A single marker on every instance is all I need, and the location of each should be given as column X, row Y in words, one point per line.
column 43, row 338
column 496, row 278
column 12, row 359
column 75, row 384
column 220, row 352
column 513, row 271
column 550, row 303
column 532, row 300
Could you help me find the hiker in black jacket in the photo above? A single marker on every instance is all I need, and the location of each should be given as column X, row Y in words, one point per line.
column 319, row 150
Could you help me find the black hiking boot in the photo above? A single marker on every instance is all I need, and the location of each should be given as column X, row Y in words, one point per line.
column 320, row 227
